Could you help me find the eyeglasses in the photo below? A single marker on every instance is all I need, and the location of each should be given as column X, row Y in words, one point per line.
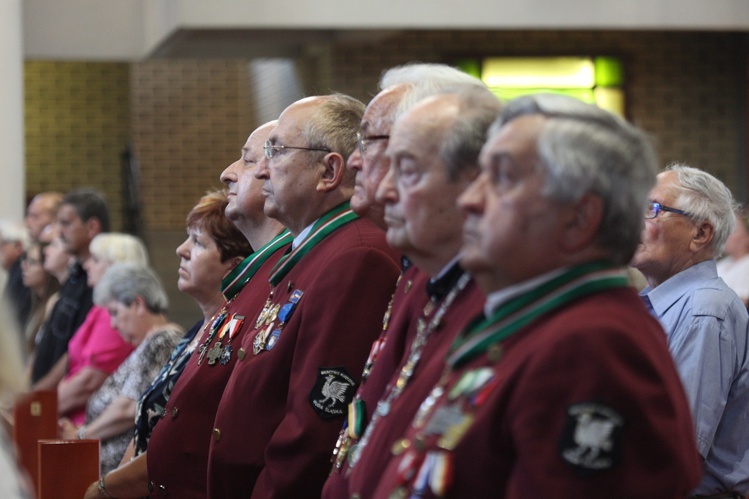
column 363, row 141
column 655, row 208
column 271, row 149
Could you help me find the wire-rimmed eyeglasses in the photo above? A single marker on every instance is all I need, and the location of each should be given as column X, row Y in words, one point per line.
column 362, row 141
column 654, row 209
column 272, row 149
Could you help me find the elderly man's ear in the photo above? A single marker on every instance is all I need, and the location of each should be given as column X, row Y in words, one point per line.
column 332, row 176
column 581, row 222
column 702, row 236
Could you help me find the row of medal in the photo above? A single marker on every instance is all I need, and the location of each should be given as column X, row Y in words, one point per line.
column 420, row 470
column 269, row 332
column 219, row 353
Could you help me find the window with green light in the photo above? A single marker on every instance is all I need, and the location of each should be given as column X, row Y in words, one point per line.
column 596, row 80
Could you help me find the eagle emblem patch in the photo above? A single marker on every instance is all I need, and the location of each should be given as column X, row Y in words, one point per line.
column 592, row 437
column 333, row 390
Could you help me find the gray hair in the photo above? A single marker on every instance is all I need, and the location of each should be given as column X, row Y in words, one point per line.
column 425, row 80
column 14, row 232
column 123, row 282
column 335, row 124
column 584, row 149
column 117, row 247
column 704, row 197
column 461, row 145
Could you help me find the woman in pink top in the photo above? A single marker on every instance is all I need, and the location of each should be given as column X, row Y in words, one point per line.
column 96, row 349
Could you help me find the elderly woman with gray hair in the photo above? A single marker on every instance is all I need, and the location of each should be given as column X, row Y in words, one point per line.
column 137, row 303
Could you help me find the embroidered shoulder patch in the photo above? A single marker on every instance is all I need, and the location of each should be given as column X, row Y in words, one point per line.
column 592, row 437
column 332, row 392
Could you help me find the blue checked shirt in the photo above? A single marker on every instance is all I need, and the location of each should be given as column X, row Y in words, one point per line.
column 706, row 326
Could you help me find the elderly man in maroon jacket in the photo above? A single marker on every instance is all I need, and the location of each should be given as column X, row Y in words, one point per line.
column 287, row 397
column 565, row 387
column 402, row 88
column 177, row 456
column 434, row 155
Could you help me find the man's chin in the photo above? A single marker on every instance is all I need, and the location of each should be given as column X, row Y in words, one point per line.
column 231, row 214
column 359, row 205
column 396, row 239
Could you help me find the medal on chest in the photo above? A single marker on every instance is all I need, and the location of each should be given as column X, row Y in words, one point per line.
column 443, row 419
column 431, row 320
column 270, row 330
column 204, row 350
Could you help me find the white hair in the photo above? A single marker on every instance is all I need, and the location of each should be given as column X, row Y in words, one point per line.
column 116, row 247
column 425, row 80
column 704, row 197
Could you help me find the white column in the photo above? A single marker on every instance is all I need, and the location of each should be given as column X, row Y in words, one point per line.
column 12, row 164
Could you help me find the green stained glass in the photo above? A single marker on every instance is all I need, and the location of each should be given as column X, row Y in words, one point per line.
column 471, row 67
column 547, row 74
column 609, row 72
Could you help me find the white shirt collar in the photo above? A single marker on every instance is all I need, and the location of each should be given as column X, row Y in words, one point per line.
column 497, row 298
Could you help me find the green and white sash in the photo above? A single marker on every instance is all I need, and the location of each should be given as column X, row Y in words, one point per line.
column 324, row 226
column 247, row 268
column 510, row 317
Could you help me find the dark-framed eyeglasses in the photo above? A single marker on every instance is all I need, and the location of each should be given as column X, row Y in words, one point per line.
column 654, row 209
column 362, row 141
column 272, row 149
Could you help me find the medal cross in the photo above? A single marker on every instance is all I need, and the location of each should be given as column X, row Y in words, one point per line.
column 214, row 353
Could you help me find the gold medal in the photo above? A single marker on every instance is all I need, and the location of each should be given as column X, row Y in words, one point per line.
column 454, row 433
column 263, row 314
column 400, row 446
column 273, row 313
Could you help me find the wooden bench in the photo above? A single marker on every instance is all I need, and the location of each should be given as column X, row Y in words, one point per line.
column 67, row 468
column 34, row 418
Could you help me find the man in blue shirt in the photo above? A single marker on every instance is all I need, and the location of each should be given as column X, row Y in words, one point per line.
column 688, row 218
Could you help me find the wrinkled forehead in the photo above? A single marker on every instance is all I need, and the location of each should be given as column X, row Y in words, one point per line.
column 380, row 113
column 666, row 187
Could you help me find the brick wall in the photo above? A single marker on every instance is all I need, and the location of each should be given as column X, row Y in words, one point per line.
column 187, row 119
column 190, row 120
column 77, row 123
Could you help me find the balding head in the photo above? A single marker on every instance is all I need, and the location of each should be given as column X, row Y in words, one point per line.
column 41, row 212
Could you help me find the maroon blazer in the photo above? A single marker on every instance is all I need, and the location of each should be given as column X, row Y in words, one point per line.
column 363, row 477
column 408, row 301
column 282, row 408
column 583, row 402
column 178, row 449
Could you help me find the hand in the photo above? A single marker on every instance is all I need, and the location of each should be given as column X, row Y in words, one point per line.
column 67, row 429
column 92, row 492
